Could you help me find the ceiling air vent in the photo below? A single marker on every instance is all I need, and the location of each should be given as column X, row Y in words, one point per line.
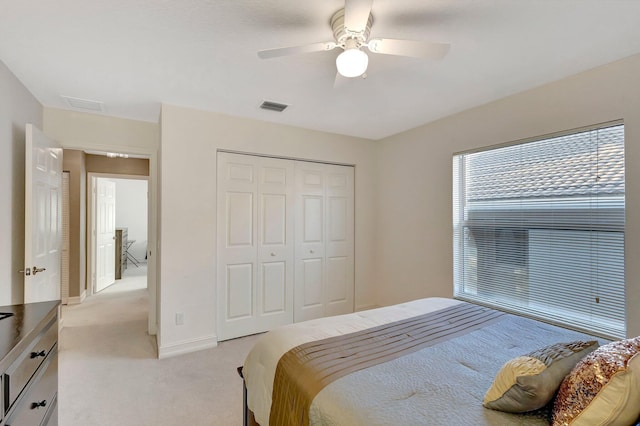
column 85, row 104
column 273, row 106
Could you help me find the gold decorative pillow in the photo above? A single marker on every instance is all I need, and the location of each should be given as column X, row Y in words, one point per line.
column 603, row 388
column 529, row 382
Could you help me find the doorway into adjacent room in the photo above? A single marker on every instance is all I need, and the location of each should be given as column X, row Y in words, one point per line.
column 118, row 237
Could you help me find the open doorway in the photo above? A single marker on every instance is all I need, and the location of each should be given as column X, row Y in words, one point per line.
column 119, row 230
column 83, row 166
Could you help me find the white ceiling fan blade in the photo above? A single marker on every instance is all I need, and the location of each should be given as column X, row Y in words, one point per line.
column 416, row 49
column 356, row 14
column 339, row 81
column 296, row 50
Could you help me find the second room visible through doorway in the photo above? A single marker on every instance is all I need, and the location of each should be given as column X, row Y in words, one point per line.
column 120, row 227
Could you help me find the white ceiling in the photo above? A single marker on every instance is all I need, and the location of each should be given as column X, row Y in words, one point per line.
column 135, row 54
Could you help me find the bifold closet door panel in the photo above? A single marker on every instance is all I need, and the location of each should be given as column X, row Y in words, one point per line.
column 324, row 280
column 255, row 244
column 339, row 247
column 237, row 250
column 285, row 245
column 275, row 243
column 310, row 241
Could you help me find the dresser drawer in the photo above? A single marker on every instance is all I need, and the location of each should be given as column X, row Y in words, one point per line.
column 18, row 374
column 41, row 399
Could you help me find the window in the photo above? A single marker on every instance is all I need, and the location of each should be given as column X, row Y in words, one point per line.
column 539, row 229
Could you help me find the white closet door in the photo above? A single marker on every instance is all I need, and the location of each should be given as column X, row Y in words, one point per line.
column 310, row 241
column 339, row 248
column 324, row 280
column 255, row 244
column 275, row 243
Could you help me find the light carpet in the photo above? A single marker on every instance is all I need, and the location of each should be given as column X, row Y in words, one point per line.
column 109, row 373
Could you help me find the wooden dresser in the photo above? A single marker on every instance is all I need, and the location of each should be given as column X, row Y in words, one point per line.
column 29, row 364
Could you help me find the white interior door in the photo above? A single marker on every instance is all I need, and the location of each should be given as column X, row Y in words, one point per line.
column 255, row 244
column 105, row 233
column 43, row 217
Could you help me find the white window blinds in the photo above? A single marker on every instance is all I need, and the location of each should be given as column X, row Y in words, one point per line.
column 539, row 229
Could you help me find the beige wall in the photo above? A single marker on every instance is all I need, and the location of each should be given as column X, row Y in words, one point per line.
column 17, row 107
column 73, row 161
column 92, row 131
column 121, row 166
column 414, row 253
column 190, row 139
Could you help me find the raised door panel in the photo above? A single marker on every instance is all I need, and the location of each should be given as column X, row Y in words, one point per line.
column 312, row 278
column 338, row 285
column 312, row 219
column 274, row 279
column 239, row 285
column 309, row 289
column 239, row 219
column 273, row 220
column 310, row 178
column 238, row 171
column 337, row 220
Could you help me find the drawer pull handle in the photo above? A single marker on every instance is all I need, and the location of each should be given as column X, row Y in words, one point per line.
column 37, row 354
column 35, row 405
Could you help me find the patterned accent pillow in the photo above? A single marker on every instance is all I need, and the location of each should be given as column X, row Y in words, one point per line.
column 529, row 382
column 603, row 389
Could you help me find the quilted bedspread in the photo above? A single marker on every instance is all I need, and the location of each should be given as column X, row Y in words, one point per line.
column 442, row 384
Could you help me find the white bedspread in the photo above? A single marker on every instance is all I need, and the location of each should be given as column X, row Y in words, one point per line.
column 260, row 365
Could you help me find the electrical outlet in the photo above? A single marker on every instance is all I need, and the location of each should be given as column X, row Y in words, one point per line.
column 179, row 318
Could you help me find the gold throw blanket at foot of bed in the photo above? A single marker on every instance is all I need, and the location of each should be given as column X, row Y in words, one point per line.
column 304, row 370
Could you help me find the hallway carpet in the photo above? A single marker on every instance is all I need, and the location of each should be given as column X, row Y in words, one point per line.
column 109, row 373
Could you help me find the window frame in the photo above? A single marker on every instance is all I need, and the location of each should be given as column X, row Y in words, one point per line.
column 461, row 222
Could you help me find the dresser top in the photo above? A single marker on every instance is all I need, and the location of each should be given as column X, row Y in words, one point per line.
column 24, row 321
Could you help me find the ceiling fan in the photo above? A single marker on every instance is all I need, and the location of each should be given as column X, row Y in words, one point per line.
column 351, row 27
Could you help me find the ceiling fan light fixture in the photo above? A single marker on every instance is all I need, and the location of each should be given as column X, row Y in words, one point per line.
column 352, row 62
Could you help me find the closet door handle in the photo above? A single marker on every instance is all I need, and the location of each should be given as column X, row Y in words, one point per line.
column 38, row 354
column 273, row 254
column 311, row 251
column 35, row 405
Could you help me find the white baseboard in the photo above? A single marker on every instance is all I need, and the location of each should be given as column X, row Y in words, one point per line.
column 187, row 346
column 76, row 300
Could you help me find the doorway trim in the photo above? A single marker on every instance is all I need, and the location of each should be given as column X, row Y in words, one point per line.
column 92, row 178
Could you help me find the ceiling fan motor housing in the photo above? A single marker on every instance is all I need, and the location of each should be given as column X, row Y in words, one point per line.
column 342, row 34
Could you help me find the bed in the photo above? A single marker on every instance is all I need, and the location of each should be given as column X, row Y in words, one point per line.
column 431, row 362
